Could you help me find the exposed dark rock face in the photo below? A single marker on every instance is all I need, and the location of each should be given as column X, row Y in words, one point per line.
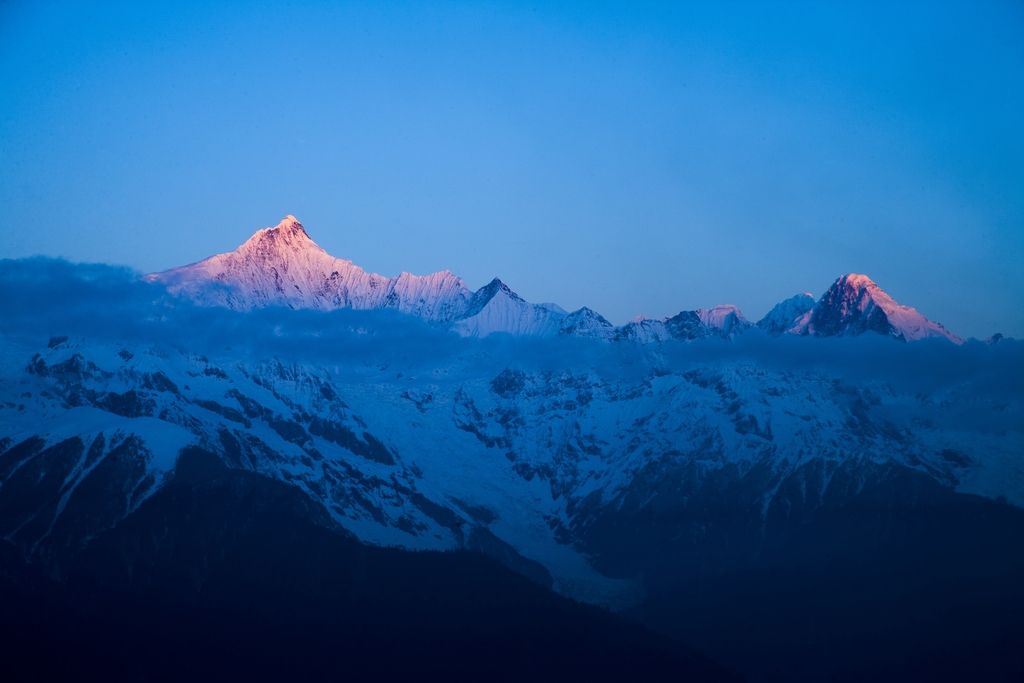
column 846, row 310
column 686, row 326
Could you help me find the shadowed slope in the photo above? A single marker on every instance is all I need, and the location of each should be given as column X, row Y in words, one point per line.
column 228, row 575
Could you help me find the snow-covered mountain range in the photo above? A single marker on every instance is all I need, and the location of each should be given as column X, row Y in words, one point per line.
column 621, row 466
column 282, row 266
column 441, row 457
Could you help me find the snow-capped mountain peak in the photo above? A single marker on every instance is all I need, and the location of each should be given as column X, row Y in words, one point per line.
column 282, row 266
column 854, row 304
column 585, row 322
column 277, row 266
column 791, row 315
column 726, row 318
column 290, row 226
column 496, row 308
column 283, row 240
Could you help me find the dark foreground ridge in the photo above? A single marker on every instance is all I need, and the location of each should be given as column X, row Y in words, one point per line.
column 906, row 581
column 229, row 575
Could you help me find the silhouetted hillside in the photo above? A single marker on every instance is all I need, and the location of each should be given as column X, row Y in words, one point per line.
column 228, row 575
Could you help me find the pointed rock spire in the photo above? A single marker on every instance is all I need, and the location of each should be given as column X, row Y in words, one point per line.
column 854, row 304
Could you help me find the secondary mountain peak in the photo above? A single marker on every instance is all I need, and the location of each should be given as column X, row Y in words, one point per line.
column 726, row 318
column 791, row 315
column 853, row 305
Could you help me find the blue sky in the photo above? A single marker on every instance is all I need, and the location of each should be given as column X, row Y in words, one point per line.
column 631, row 158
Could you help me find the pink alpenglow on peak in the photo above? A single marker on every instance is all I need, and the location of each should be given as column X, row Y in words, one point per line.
column 725, row 318
column 854, row 305
column 282, row 266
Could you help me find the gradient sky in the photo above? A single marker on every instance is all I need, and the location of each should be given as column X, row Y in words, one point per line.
column 633, row 159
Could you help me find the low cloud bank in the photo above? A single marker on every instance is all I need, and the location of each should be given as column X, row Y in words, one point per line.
column 42, row 297
column 923, row 366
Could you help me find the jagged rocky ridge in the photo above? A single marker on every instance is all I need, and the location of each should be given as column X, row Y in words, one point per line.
column 282, row 266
